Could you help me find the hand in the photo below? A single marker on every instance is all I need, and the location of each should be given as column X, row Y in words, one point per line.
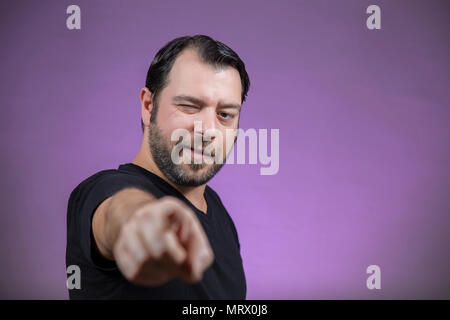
column 163, row 239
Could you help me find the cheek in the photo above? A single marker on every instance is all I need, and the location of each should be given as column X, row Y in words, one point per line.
column 181, row 120
column 174, row 122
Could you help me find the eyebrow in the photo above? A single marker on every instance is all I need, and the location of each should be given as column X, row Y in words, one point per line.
column 200, row 102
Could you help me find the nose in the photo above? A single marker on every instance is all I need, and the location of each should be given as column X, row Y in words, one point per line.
column 208, row 124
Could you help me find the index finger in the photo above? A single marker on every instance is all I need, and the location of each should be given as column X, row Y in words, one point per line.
column 200, row 255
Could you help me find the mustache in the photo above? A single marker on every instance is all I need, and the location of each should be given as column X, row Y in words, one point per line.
column 201, row 150
column 203, row 146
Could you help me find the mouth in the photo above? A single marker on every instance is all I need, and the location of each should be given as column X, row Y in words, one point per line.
column 198, row 152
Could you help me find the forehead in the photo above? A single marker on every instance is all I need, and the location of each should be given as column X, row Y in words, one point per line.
column 190, row 75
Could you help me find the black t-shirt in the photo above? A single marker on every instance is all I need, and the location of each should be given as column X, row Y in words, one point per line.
column 101, row 278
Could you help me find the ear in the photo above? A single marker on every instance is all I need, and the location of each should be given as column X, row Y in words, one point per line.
column 146, row 97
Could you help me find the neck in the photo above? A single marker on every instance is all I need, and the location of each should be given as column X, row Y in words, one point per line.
column 194, row 194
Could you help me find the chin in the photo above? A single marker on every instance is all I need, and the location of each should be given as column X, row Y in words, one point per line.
column 197, row 171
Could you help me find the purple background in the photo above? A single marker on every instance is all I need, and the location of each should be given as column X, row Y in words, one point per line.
column 364, row 136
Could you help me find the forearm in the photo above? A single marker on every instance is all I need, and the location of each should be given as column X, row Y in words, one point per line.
column 116, row 212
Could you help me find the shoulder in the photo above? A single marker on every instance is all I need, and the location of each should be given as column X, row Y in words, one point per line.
column 107, row 182
column 88, row 182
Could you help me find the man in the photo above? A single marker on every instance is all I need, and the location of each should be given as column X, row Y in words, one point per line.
column 153, row 229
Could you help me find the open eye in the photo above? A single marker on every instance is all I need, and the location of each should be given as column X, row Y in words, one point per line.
column 225, row 115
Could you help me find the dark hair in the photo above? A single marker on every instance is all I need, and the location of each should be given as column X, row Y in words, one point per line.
column 211, row 51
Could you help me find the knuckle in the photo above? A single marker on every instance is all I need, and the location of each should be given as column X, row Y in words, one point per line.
column 127, row 229
column 141, row 214
column 140, row 257
column 144, row 212
column 158, row 250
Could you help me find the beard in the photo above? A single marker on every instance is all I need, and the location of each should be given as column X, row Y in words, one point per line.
column 182, row 174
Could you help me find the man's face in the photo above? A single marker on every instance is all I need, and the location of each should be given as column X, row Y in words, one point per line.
column 202, row 94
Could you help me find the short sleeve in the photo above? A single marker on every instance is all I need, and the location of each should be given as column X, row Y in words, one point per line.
column 83, row 202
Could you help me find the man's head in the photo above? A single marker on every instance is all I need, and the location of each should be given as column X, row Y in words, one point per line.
column 192, row 79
